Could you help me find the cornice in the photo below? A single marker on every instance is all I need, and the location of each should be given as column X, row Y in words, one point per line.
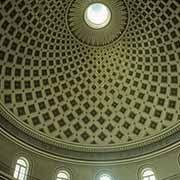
column 11, row 125
column 47, row 155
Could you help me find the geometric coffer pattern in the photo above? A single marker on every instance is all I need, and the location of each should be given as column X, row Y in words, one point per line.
column 122, row 93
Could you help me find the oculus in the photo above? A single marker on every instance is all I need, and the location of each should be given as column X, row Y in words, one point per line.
column 97, row 15
column 97, row 23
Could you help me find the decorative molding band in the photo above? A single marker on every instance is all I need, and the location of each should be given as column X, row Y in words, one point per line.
column 4, row 176
column 174, row 177
column 9, row 124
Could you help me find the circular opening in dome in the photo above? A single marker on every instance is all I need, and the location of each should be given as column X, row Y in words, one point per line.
column 105, row 177
column 97, row 15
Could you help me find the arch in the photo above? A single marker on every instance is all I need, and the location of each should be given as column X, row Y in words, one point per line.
column 104, row 175
column 63, row 175
column 21, row 169
column 148, row 174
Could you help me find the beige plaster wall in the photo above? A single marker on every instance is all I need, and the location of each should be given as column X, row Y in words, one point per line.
column 45, row 168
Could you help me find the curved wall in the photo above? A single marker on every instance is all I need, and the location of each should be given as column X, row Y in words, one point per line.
column 45, row 168
column 62, row 91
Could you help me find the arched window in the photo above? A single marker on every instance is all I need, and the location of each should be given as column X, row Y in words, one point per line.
column 63, row 175
column 21, row 169
column 148, row 174
column 105, row 177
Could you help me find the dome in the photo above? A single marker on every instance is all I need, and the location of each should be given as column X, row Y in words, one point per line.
column 76, row 91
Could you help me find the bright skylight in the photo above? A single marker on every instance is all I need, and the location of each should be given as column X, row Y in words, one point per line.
column 97, row 15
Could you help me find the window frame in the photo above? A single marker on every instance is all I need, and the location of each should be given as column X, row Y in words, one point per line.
column 106, row 175
column 142, row 177
column 64, row 171
column 17, row 175
column 103, row 172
